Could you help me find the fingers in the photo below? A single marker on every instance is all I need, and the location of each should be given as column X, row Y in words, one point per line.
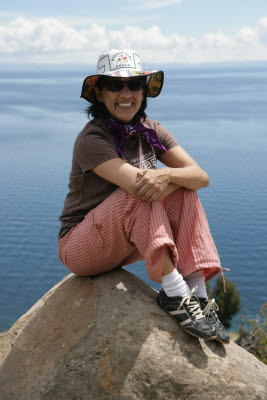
column 139, row 181
column 144, row 190
column 150, row 185
column 145, row 183
column 140, row 174
column 155, row 196
column 149, row 194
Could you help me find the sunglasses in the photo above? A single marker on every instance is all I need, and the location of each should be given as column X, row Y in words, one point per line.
column 116, row 85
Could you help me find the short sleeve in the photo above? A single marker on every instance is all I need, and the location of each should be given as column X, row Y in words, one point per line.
column 92, row 150
column 166, row 137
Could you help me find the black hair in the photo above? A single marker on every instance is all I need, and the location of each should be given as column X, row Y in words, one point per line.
column 97, row 108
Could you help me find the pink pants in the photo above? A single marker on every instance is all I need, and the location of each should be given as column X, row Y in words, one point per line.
column 124, row 229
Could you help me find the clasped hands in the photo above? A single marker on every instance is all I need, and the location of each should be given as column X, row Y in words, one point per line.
column 152, row 184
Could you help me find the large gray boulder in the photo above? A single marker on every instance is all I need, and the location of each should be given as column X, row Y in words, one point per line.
column 105, row 338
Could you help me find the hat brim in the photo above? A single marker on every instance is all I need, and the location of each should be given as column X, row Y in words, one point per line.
column 154, row 81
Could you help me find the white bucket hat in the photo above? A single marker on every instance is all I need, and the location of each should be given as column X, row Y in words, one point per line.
column 123, row 63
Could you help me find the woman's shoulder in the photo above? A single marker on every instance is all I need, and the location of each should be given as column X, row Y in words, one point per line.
column 156, row 125
column 151, row 123
column 92, row 128
column 94, row 138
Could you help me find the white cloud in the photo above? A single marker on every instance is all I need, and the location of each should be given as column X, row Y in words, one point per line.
column 145, row 39
column 263, row 30
column 55, row 41
column 106, row 21
column 50, row 40
column 150, row 5
column 247, row 36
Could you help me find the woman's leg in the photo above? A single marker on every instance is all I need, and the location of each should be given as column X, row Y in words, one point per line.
column 191, row 234
column 197, row 279
column 120, row 226
column 196, row 249
column 124, row 228
column 113, row 230
column 198, row 257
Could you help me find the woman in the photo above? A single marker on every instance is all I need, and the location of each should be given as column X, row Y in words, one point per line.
column 121, row 209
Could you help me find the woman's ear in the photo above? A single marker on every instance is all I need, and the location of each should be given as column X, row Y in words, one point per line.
column 98, row 94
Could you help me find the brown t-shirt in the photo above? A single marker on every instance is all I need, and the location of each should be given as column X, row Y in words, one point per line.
column 93, row 146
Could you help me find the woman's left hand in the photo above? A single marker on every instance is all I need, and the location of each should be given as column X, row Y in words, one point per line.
column 152, row 183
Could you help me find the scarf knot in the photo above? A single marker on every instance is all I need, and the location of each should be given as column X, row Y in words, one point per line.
column 121, row 132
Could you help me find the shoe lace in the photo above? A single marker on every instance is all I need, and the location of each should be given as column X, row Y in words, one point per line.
column 211, row 305
column 193, row 304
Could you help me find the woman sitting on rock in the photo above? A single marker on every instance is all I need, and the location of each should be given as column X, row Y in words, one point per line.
column 121, row 209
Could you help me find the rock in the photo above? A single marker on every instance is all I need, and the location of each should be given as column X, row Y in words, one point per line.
column 105, row 338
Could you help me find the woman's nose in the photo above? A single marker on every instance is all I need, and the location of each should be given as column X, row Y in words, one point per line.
column 125, row 90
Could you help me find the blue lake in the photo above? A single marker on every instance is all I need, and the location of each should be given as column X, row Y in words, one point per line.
column 217, row 113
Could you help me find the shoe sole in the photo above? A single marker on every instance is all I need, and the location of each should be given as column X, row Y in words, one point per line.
column 190, row 333
column 221, row 341
column 199, row 337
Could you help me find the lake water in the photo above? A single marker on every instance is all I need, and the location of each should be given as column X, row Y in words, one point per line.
column 217, row 113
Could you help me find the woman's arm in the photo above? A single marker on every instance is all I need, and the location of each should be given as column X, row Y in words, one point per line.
column 154, row 184
column 181, row 170
column 119, row 172
column 184, row 170
column 126, row 176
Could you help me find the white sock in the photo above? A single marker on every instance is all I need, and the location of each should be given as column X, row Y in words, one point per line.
column 197, row 278
column 173, row 284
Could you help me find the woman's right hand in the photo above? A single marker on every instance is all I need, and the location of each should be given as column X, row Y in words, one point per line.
column 153, row 184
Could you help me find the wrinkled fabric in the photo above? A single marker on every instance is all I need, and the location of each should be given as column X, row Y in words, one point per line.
column 124, row 229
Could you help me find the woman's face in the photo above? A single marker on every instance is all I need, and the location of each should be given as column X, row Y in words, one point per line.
column 122, row 105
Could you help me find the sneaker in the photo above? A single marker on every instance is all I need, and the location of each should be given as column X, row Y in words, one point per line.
column 209, row 308
column 188, row 313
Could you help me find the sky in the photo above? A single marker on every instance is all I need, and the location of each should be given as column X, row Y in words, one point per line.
column 161, row 31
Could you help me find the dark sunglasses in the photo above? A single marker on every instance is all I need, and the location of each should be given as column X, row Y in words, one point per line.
column 116, row 85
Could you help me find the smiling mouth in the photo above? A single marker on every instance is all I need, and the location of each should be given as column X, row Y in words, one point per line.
column 125, row 105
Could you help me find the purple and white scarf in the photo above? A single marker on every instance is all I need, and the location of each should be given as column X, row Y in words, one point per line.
column 121, row 131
